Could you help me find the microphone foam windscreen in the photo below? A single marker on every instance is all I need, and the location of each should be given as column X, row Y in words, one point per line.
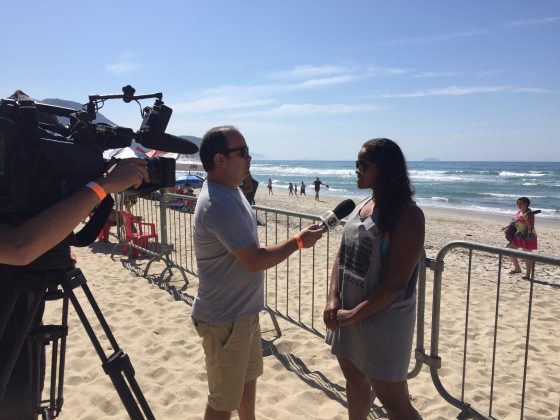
column 344, row 209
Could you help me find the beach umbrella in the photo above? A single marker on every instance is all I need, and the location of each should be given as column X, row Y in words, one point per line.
column 192, row 181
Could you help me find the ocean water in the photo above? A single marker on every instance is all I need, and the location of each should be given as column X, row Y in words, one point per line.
column 486, row 187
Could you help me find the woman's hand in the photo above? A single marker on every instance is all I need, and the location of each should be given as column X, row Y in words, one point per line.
column 345, row 317
column 329, row 313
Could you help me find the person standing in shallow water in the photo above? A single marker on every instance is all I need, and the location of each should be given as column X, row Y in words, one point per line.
column 302, row 189
column 317, row 184
column 525, row 236
column 371, row 305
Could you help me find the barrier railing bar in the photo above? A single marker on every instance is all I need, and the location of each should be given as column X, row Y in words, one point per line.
column 492, row 375
column 299, row 279
column 287, row 268
column 531, row 286
column 465, row 343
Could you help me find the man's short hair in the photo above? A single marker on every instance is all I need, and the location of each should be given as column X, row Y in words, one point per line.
column 214, row 141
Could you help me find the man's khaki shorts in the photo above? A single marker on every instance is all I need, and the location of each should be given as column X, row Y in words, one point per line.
column 233, row 357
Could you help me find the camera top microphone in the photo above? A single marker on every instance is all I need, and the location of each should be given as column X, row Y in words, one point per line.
column 158, row 140
column 332, row 218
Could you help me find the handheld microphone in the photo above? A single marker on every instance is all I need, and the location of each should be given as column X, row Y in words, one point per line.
column 332, row 218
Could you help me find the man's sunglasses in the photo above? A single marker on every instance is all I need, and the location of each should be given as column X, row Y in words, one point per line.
column 244, row 151
column 361, row 165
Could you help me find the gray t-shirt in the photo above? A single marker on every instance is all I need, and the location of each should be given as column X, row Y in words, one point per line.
column 223, row 223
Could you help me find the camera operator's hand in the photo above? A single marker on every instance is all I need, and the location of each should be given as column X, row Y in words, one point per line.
column 125, row 174
column 20, row 245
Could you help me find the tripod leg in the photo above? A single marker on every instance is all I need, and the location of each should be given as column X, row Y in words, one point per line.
column 38, row 338
column 118, row 365
column 60, row 398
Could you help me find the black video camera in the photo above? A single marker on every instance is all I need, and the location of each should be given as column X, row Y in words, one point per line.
column 42, row 161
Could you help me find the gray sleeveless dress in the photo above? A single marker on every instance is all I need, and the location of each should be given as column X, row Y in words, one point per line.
column 379, row 345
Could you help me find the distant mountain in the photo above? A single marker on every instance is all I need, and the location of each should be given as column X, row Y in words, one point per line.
column 431, row 159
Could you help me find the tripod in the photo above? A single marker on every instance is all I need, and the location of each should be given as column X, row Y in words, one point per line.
column 117, row 365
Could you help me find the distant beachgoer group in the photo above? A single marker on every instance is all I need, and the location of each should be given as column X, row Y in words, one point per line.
column 293, row 188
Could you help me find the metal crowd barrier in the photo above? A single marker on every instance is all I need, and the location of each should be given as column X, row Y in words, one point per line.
column 173, row 248
column 296, row 289
column 514, row 382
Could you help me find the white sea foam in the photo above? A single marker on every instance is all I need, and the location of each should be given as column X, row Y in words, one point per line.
column 522, row 174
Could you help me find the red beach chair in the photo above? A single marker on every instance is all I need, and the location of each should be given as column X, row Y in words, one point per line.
column 137, row 232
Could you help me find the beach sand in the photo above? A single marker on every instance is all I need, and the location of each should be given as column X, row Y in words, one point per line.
column 301, row 378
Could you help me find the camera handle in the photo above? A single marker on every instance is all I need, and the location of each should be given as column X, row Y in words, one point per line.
column 117, row 365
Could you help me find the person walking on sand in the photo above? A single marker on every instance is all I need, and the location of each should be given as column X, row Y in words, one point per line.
column 317, row 183
column 302, row 189
column 231, row 262
column 269, row 186
column 371, row 304
column 291, row 189
column 295, row 189
column 525, row 235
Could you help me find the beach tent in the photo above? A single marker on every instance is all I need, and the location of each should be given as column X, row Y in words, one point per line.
column 124, row 153
column 190, row 163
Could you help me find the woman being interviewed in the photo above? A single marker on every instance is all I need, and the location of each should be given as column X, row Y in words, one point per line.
column 371, row 305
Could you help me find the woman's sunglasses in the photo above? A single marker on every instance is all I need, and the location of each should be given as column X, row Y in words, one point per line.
column 244, row 151
column 361, row 165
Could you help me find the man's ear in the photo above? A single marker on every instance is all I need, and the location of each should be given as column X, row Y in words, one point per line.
column 219, row 159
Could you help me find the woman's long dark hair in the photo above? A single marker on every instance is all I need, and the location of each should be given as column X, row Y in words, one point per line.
column 393, row 190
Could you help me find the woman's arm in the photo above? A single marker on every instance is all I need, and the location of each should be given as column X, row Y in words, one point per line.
column 21, row 245
column 407, row 240
column 333, row 299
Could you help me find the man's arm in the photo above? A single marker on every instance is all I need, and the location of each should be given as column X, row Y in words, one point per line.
column 21, row 245
column 257, row 259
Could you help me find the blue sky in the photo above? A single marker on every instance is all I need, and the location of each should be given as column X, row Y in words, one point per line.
column 454, row 80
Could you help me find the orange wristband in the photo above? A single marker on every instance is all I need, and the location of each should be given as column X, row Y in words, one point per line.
column 97, row 189
column 297, row 237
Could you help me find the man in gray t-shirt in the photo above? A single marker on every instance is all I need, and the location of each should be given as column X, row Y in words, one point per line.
column 230, row 264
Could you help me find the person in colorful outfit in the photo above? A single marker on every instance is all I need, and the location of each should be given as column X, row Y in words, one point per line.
column 371, row 304
column 525, row 237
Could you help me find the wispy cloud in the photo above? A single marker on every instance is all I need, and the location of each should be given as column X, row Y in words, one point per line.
column 219, row 103
column 327, row 81
column 388, row 71
column 461, row 91
column 311, row 109
column 309, row 71
column 123, row 65
column 533, row 22
column 434, row 38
